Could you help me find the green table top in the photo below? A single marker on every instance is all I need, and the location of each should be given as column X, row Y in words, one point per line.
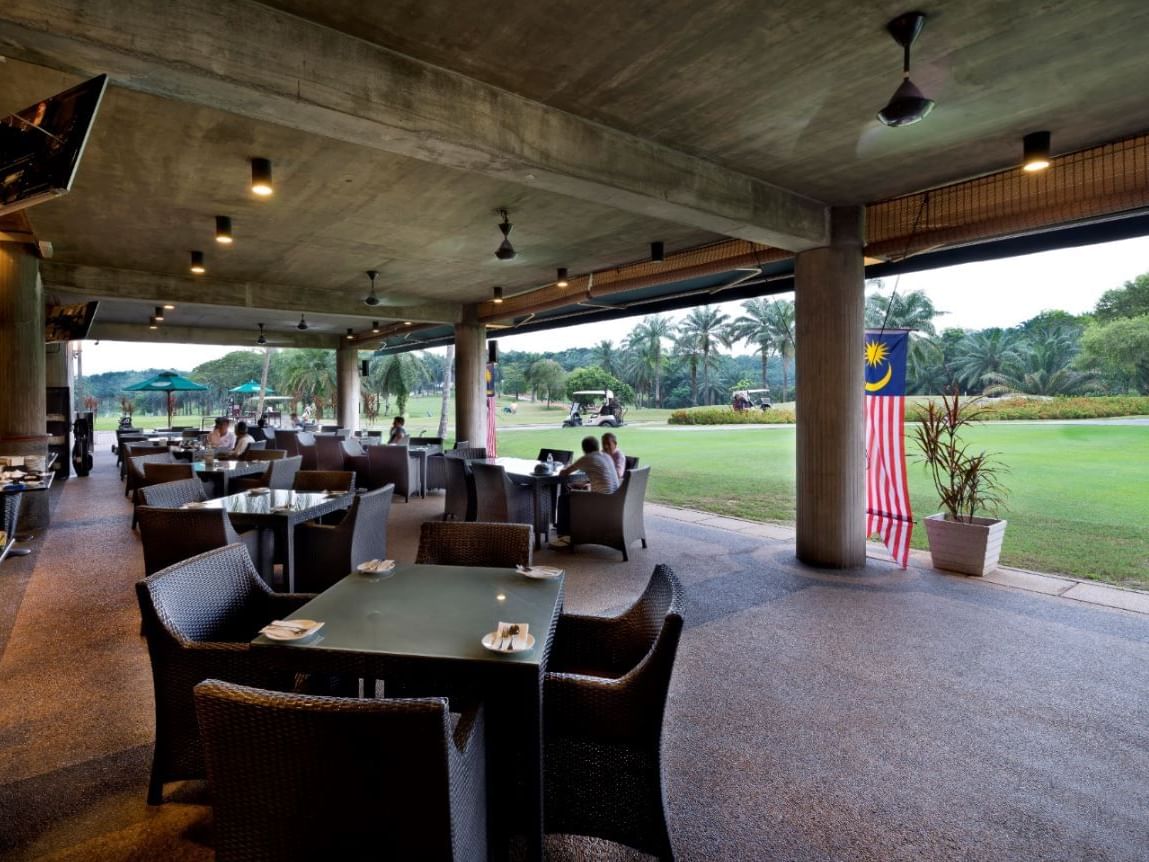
column 429, row 612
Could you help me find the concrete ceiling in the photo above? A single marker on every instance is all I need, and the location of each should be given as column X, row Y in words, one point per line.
column 726, row 108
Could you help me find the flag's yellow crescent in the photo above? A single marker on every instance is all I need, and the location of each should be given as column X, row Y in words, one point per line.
column 874, row 387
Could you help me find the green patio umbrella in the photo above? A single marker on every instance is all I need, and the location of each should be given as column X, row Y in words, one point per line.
column 250, row 388
column 169, row 382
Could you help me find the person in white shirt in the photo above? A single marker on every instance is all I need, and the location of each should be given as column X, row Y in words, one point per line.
column 398, row 431
column 242, row 440
column 602, row 479
column 610, row 448
column 221, row 436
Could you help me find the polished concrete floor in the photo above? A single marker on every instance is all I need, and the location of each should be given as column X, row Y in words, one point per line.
column 872, row 715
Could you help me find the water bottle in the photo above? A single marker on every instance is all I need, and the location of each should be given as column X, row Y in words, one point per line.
column 550, row 462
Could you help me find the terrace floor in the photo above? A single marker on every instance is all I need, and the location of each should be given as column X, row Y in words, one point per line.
column 814, row 715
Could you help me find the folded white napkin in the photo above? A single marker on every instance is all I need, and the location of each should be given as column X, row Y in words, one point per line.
column 377, row 566
column 511, row 636
column 539, row 571
column 301, row 628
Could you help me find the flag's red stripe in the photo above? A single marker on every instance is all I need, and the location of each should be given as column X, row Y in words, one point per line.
column 887, row 494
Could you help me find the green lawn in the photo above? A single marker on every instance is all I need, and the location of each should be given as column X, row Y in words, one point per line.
column 1079, row 501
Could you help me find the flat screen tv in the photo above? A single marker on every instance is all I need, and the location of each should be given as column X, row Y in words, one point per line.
column 41, row 146
column 68, row 322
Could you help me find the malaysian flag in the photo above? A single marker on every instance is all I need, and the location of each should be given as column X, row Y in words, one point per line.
column 491, row 410
column 888, row 513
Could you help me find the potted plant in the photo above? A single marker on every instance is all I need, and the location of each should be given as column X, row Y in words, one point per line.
column 967, row 484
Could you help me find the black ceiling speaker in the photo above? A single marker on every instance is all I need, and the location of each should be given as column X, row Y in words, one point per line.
column 371, row 298
column 302, row 325
column 492, row 352
column 907, row 106
column 262, row 338
column 505, row 251
column 364, row 368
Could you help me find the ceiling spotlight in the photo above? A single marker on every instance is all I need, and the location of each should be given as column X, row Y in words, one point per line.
column 261, row 177
column 197, row 263
column 371, row 298
column 408, row 323
column 159, row 315
column 1035, row 147
column 505, row 251
column 907, row 106
column 498, row 297
column 302, row 325
column 223, row 230
column 375, row 330
column 169, row 307
column 350, row 334
column 262, row 338
column 658, row 251
column 561, row 281
column 152, row 324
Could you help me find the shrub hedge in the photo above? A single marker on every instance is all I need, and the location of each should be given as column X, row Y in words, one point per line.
column 1098, row 407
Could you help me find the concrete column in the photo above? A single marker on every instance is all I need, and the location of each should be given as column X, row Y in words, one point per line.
column 23, row 418
column 470, row 386
column 829, row 314
column 347, row 381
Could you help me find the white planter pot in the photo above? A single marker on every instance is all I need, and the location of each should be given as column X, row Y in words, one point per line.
column 970, row 547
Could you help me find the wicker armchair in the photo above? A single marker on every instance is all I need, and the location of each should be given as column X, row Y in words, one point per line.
column 498, row 499
column 170, row 536
column 459, row 501
column 287, row 439
column 302, row 777
column 172, row 495
column 453, row 543
column 156, row 472
column 262, row 454
column 470, row 453
column 604, row 699
column 134, row 466
column 306, row 442
column 462, row 444
column 325, row 554
column 392, row 465
column 199, row 617
column 614, row 520
column 329, row 452
column 279, row 475
column 132, row 447
column 323, row 480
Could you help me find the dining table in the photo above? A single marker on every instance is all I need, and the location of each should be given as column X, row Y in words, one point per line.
column 222, row 472
column 281, row 512
column 522, row 471
column 420, row 628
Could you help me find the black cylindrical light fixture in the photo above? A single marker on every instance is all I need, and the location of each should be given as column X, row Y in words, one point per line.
column 197, row 264
column 152, row 323
column 223, row 230
column 492, row 352
column 350, row 334
column 1035, row 151
column 261, row 177
column 658, row 251
column 562, row 281
column 498, row 298
column 375, row 327
column 159, row 315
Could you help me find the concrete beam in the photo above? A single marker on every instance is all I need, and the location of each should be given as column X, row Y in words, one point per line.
column 252, row 60
column 170, row 334
column 105, row 283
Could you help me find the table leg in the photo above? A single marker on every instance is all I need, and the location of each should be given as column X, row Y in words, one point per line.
column 532, row 717
column 287, row 534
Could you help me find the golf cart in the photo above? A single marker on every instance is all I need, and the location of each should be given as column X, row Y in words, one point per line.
column 748, row 399
column 595, row 407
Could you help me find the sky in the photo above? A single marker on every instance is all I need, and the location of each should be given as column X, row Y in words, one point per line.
column 974, row 296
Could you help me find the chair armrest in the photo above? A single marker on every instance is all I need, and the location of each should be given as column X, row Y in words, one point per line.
column 469, row 729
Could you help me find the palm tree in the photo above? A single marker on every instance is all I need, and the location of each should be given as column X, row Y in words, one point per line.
column 1045, row 370
column 753, row 326
column 913, row 310
column 988, row 352
column 606, row 357
column 310, row 374
column 706, row 328
column 397, row 375
column 687, row 350
column 780, row 316
column 654, row 329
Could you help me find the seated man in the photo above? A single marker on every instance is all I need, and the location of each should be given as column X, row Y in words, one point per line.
column 221, row 436
column 602, row 479
column 243, row 440
column 610, row 448
column 398, row 431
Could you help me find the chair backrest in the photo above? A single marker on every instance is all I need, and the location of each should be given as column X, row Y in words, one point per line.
column 462, row 444
column 456, row 543
column 654, row 625
column 171, row 536
column 563, row 456
column 255, row 446
column 633, row 490
column 390, row 465
column 371, row 512
column 192, row 434
column 306, row 441
column 328, row 453
column 324, row 480
column 172, row 495
column 490, row 492
column 262, row 454
column 156, row 472
column 470, row 453
column 281, row 473
column 288, row 440
column 297, row 776
column 459, row 499
column 136, row 463
column 631, row 461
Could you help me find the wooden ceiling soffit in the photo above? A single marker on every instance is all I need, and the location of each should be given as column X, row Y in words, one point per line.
column 1091, row 184
column 680, row 266
column 169, row 333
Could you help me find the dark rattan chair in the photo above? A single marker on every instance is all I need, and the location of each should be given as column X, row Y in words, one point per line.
column 279, row 475
column 134, row 465
column 306, row 442
column 157, row 472
column 172, row 495
column 325, row 554
column 393, row 465
column 470, row 453
column 170, row 536
column 604, row 699
column 199, row 617
column 287, row 439
column 614, row 520
column 459, row 501
column 324, row 480
column 453, row 543
column 498, row 499
column 329, row 452
column 262, row 454
column 137, row 477
column 302, row 777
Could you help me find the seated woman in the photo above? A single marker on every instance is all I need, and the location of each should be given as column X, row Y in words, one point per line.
column 242, row 440
column 398, row 431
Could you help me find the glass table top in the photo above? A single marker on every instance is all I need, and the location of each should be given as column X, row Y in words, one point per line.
column 247, row 503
